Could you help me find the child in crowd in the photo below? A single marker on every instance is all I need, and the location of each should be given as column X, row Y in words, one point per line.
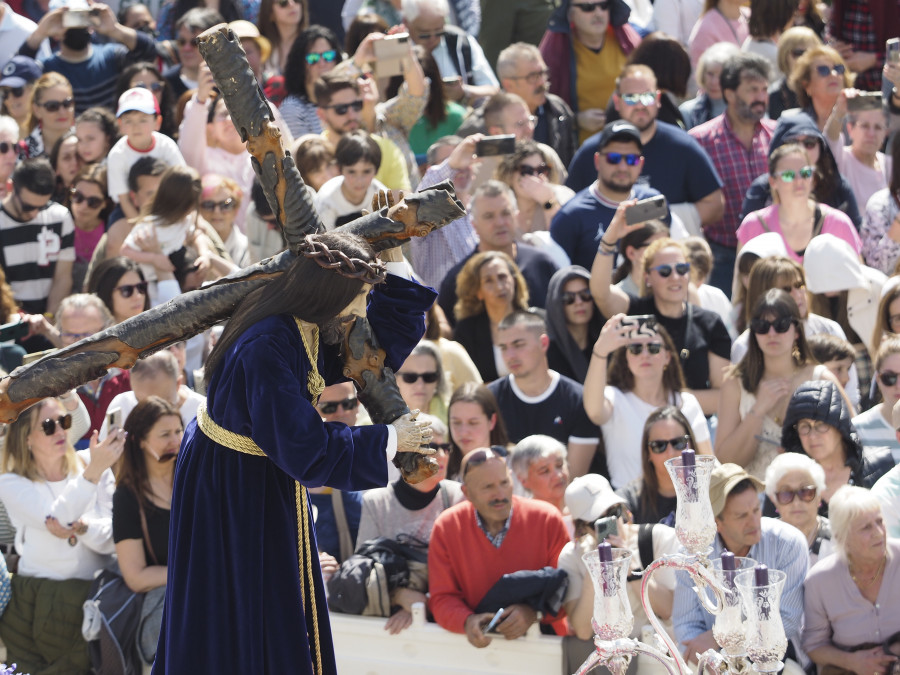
column 315, row 161
column 97, row 133
column 342, row 199
column 139, row 120
column 835, row 353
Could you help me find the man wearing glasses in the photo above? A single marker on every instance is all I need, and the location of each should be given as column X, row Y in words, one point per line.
column 38, row 238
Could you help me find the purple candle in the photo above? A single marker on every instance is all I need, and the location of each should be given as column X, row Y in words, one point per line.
column 729, row 569
column 761, row 573
column 688, row 465
column 604, row 552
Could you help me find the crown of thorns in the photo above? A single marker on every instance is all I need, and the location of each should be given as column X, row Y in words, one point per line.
column 330, row 259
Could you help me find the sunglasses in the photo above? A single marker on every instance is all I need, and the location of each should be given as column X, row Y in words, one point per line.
column 614, row 158
column 480, row 457
column 332, row 406
column 569, row 298
column 805, row 428
column 92, row 202
column 659, row 447
column 412, row 378
column 796, row 286
column 807, row 142
column 25, row 207
column 342, row 108
column 15, row 92
column 588, row 7
column 781, row 325
column 825, row 71
column 285, row 3
column 182, row 42
column 806, row 494
column 789, row 175
column 49, row 425
column 888, row 378
column 445, row 447
column 637, row 348
column 8, row 147
column 648, row 98
column 128, row 289
column 532, row 78
column 539, row 170
column 74, row 336
column 329, row 56
column 153, row 86
column 665, row 271
column 223, row 206
column 53, row 106
column 427, row 36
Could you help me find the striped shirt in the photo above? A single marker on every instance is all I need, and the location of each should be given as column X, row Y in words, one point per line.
column 875, row 432
column 781, row 547
column 30, row 251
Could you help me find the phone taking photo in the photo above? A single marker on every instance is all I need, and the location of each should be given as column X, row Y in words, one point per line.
column 604, row 527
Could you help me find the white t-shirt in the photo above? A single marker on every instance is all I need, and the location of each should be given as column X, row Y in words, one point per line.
column 875, row 432
column 622, row 432
column 122, row 156
column 331, row 203
column 170, row 238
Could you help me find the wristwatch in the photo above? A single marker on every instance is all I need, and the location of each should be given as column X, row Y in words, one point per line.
column 549, row 205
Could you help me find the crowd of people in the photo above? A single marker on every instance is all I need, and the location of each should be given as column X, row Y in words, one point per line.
column 689, row 239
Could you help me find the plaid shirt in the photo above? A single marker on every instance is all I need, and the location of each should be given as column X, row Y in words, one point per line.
column 495, row 539
column 856, row 28
column 737, row 167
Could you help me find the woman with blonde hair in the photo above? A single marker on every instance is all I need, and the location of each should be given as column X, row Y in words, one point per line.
column 818, row 78
column 791, row 46
column 52, row 113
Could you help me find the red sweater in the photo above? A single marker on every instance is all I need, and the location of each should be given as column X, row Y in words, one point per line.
column 463, row 565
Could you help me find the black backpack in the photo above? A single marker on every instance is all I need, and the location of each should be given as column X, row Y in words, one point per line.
column 112, row 615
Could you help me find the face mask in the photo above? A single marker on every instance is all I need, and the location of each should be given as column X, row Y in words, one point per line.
column 77, row 38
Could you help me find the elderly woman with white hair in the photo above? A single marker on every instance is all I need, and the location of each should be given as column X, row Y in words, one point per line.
column 539, row 463
column 709, row 101
column 851, row 598
column 794, row 484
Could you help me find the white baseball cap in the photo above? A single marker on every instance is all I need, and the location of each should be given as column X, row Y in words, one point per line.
column 590, row 496
column 140, row 99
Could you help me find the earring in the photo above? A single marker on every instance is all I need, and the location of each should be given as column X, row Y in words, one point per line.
column 795, row 353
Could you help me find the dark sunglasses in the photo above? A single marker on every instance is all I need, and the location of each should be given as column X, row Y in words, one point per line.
column 568, row 298
column 332, row 406
column 128, row 289
column 8, row 147
column 888, row 378
column 440, row 446
column 591, row 6
column 342, row 108
column 480, row 457
column 210, row 205
column 25, row 207
column 665, row 271
column 53, row 106
column 329, row 56
column 427, row 36
column 613, row 158
column 806, row 494
column 540, row 170
column 153, row 86
column 659, row 447
column 825, row 71
column 285, row 3
column 781, row 325
column 412, row 378
column 92, row 202
column 796, row 286
column 49, row 424
column 15, row 92
column 637, row 348
column 184, row 43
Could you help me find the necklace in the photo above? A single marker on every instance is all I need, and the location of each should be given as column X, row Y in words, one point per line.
column 874, row 576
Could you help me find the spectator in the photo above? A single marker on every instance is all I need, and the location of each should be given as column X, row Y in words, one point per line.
column 737, row 141
column 742, row 530
column 536, row 400
column 763, row 247
column 63, row 500
column 651, row 498
column 858, row 30
column 440, row 118
column 492, row 213
column 835, row 353
column 582, row 63
column 9, row 150
column 817, row 424
column 64, row 159
column 138, row 116
column 792, row 44
column 530, row 533
column 89, row 206
column 875, row 426
column 720, row 21
column 15, row 29
column 701, row 259
column 38, row 239
column 264, row 235
column 841, row 629
column 643, row 375
column 457, row 53
column 315, row 161
column 220, row 200
column 539, row 463
column 17, row 86
column 51, row 109
column 186, row 74
column 146, row 75
column 97, row 133
column 339, row 403
column 91, row 68
column 629, row 273
column 314, row 52
column 887, row 491
column 573, row 322
column 172, row 14
column 474, row 422
column 140, row 511
column 881, row 225
column 704, row 348
column 256, row 47
column 343, row 198
column 768, row 19
column 458, row 365
column 281, row 24
column 694, row 194
column 709, row 102
column 818, row 78
column 888, row 319
column 809, row 15
column 422, row 382
column 671, row 65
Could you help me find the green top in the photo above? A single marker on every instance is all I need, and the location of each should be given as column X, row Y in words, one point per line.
column 422, row 135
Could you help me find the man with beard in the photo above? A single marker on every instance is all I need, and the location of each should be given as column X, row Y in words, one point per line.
column 582, row 220
column 737, row 141
column 476, row 542
column 92, row 69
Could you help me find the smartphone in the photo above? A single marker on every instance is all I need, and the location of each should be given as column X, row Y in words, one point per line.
column 653, row 208
column 642, row 325
column 865, row 100
column 455, row 79
column 113, row 419
column 389, row 54
column 13, row 330
column 892, row 48
column 603, row 527
column 492, row 146
column 76, row 18
column 494, row 622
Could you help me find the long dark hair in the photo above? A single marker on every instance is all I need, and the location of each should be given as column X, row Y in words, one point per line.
column 132, row 469
column 436, row 107
column 266, row 23
column 474, row 392
column 295, row 66
column 178, row 195
column 305, row 290
column 649, row 482
column 620, row 374
column 105, row 277
column 167, row 101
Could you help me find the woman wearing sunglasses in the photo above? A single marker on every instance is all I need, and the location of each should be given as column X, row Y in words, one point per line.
column 422, row 382
column 795, row 214
column 314, row 53
column 220, row 202
column 120, row 284
column 141, row 506
column 90, row 206
column 281, row 22
column 876, row 425
column 52, row 113
column 792, row 44
column 756, row 391
column 66, row 164
column 573, row 322
column 818, row 78
column 644, row 374
column 60, row 504
column 817, row 424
